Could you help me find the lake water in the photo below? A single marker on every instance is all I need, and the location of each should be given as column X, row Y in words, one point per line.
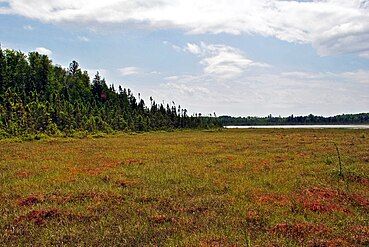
column 300, row 127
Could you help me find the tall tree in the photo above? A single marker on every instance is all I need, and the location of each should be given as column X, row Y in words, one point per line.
column 2, row 69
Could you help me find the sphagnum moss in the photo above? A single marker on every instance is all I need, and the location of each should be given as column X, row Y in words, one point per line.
column 187, row 188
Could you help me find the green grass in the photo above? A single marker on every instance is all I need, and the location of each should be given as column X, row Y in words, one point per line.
column 187, row 188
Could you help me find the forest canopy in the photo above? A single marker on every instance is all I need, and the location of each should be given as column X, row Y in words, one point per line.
column 37, row 96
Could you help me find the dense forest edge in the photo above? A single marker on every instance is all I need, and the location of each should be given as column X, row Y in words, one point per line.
column 344, row 119
column 38, row 97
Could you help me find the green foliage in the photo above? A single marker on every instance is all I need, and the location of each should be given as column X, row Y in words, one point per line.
column 39, row 97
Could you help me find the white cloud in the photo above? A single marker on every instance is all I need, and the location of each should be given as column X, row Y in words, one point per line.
column 361, row 76
column 364, row 54
column 193, row 48
column 331, row 26
column 188, row 90
column 278, row 93
column 155, row 72
column 28, row 27
column 175, row 47
column 171, row 78
column 44, row 51
column 127, row 71
column 83, row 39
column 222, row 61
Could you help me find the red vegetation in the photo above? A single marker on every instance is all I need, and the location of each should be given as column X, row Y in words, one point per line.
column 254, row 221
column 82, row 197
column 365, row 159
column 262, row 166
column 38, row 216
column 23, row 174
column 160, row 219
column 102, row 164
column 29, row 201
column 134, row 162
column 336, row 242
column 230, row 158
column 221, row 242
column 126, row 183
column 323, row 200
column 280, row 159
column 276, row 199
column 360, row 201
column 299, row 231
column 358, row 179
column 360, row 235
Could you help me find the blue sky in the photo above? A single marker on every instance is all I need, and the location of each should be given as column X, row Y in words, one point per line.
column 238, row 58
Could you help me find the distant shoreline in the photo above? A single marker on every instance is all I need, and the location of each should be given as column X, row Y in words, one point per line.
column 300, row 126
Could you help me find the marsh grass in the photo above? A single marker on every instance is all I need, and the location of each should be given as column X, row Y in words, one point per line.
column 186, row 188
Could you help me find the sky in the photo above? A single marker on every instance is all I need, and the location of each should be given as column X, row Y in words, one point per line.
column 231, row 57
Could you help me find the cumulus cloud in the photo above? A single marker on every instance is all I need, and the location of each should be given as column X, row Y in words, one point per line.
column 331, row 26
column 44, row 51
column 127, row 71
column 222, row 61
column 278, row 93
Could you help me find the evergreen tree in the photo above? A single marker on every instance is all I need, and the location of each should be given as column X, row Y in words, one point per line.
column 2, row 70
column 39, row 97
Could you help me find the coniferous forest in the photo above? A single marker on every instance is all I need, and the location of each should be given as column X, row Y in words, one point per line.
column 37, row 96
column 344, row 119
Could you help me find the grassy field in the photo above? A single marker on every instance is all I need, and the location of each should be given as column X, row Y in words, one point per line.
column 189, row 188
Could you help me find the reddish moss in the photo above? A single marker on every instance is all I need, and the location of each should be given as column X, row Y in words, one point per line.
column 280, row 200
column 254, row 221
column 280, row 159
column 134, row 162
column 360, row 235
column 38, row 216
column 358, row 179
column 230, row 158
column 215, row 242
column 299, row 231
column 336, row 242
column 365, row 159
column 82, row 197
column 100, row 164
column 360, row 200
column 125, row 183
column 160, row 219
column 23, row 174
column 29, row 201
column 323, row 200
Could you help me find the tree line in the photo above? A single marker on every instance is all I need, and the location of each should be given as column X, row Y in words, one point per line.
column 362, row 118
column 37, row 96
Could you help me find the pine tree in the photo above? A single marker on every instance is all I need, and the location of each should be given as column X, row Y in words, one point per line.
column 2, row 69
